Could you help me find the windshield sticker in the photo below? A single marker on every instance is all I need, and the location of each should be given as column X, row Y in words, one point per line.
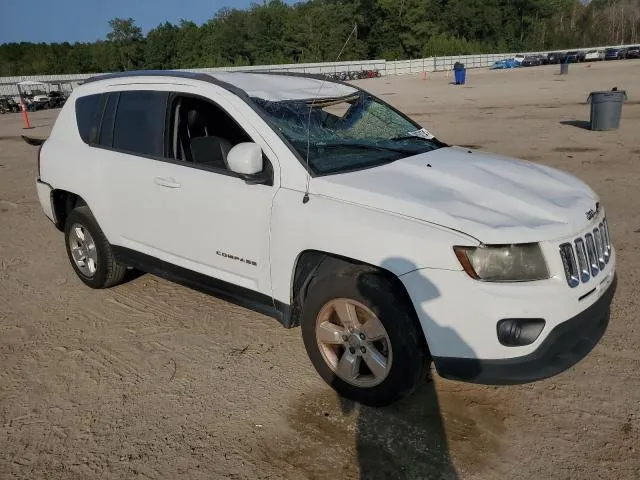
column 422, row 133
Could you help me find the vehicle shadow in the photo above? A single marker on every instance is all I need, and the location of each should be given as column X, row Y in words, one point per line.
column 131, row 275
column 407, row 440
column 577, row 123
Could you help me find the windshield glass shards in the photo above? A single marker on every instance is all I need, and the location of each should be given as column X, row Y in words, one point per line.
column 348, row 133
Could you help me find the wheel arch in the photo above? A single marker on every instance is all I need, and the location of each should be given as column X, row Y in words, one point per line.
column 63, row 203
column 312, row 264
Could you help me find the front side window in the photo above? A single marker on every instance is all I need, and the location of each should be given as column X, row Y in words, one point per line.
column 348, row 133
column 202, row 133
column 140, row 122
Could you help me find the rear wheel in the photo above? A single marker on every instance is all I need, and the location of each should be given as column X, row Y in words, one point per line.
column 89, row 251
column 363, row 338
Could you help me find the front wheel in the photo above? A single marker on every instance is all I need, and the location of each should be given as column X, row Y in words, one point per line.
column 363, row 338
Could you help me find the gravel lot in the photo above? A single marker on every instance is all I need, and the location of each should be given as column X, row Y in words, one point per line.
column 152, row 380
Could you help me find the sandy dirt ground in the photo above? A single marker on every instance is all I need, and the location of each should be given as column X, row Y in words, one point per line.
column 152, row 380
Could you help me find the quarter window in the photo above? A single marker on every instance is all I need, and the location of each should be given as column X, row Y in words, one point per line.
column 88, row 113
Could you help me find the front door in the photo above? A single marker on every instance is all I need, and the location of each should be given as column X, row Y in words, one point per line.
column 188, row 208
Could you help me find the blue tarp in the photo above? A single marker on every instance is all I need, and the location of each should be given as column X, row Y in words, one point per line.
column 508, row 63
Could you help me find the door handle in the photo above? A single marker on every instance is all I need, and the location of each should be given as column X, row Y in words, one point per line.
column 166, row 182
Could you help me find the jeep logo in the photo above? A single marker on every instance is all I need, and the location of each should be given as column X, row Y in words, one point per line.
column 592, row 213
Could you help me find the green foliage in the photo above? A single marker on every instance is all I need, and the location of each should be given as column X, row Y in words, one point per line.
column 127, row 38
column 316, row 30
column 161, row 47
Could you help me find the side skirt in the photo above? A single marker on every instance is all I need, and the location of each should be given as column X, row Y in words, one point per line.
column 241, row 296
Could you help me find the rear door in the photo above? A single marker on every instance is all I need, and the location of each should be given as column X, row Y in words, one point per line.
column 132, row 136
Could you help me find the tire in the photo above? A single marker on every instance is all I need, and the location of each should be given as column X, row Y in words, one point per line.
column 367, row 289
column 102, row 270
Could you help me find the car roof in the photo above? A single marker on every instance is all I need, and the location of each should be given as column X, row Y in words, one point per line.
column 264, row 85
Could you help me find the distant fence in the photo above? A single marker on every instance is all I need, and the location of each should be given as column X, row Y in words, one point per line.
column 386, row 68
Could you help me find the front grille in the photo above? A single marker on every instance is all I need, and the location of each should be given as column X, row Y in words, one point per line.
column 587, row 255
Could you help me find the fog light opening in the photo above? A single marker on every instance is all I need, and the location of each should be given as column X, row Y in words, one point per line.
column 519, row 332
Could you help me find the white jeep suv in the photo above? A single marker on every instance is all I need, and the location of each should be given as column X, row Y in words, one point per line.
column 319, row 204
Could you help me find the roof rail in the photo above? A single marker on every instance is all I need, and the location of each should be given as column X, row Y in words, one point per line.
column 150, row 73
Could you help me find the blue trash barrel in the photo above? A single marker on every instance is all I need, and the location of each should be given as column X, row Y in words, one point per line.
column 460, row 73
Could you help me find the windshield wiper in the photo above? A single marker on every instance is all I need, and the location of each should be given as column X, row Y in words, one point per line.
column 411, row 137
column 367, row 147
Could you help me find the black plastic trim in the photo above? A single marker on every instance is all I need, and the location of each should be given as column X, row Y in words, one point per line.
column 566, row 345
column 149, row 73
column 33, row 141
column 241, row 296
column 519, row 332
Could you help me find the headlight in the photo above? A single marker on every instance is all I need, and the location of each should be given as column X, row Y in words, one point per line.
column 503, row 263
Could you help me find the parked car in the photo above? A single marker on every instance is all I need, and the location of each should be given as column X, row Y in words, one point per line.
column 556, row 57
column 573, row 57
column 531, row 61
column 519, row 58
column 633, row 52
column 544, row 58
column 594, row 55
column 615, row 53
column 390, row 248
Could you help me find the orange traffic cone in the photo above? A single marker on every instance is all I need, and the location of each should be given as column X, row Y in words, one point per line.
column 25, row 117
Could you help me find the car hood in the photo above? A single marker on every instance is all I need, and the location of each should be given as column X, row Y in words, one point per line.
column 491, row 198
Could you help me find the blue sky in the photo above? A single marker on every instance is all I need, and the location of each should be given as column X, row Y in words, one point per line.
column 86, row 20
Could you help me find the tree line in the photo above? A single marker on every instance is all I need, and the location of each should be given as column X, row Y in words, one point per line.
column 315, row 31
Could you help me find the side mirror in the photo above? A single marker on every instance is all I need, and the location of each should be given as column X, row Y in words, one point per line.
column 245, row 159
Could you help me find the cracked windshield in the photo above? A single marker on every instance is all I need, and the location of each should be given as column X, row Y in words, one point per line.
column 348, row 133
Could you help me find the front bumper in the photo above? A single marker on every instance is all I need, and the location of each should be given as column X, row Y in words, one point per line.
column 567, row 344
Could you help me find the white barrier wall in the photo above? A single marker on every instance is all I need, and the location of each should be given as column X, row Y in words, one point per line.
column 8, row 84
column 398, row 67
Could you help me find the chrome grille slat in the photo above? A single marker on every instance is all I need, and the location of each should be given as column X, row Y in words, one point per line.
column 570, row 266
column 599, row 248
column 606, row 240
column 583, row 263
column 587, row 255
column 591, row 254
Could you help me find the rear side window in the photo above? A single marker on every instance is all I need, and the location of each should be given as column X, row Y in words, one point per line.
column 140, row 122
column 88, row 115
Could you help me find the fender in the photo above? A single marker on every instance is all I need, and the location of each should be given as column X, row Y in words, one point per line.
column 391, row 242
